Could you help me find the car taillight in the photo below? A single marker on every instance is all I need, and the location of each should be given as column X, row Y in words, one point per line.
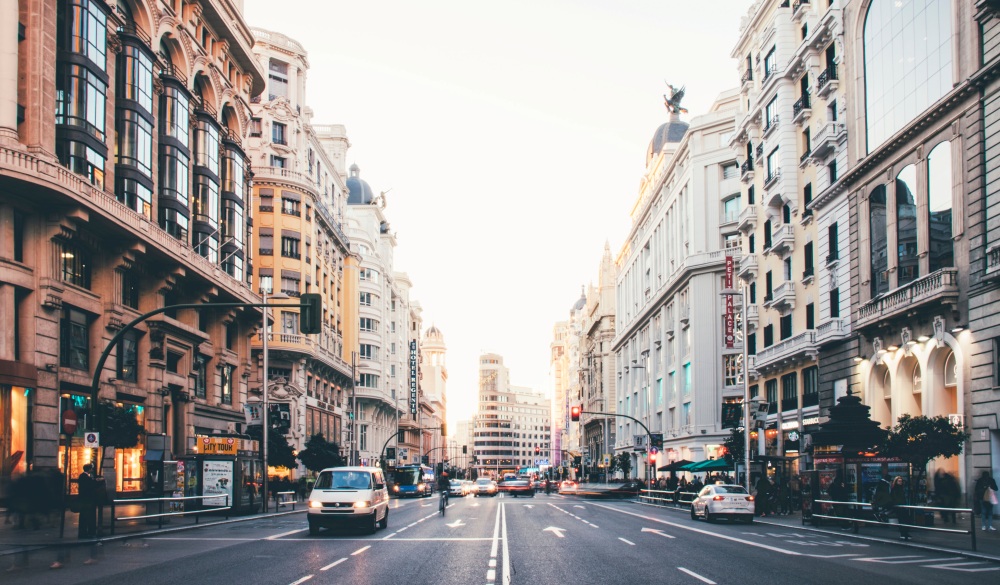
column 718, row 498
column 749, row 498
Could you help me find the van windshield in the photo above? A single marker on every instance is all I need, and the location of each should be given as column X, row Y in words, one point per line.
column 343, row 480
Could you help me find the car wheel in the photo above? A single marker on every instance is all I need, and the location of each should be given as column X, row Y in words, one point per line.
column 694, row 516
column 385, row 520
column 709, row 517
column 373, row 523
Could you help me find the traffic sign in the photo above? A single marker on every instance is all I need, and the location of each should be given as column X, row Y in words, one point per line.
column 69, row 422
column 92, row 440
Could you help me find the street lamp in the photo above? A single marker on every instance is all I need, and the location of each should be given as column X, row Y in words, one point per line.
column 265, row 418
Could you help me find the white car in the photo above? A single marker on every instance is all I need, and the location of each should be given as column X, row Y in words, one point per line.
column 732, row 501
column 455, row 488
column 485, row 487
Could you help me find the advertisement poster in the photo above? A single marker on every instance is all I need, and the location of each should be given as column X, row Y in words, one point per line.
column 173, row 483
column 217, row 480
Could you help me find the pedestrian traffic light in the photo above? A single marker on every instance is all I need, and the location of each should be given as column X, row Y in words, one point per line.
column 537, row 450
column 311, row 314
column 465, row 449
column 574, row 413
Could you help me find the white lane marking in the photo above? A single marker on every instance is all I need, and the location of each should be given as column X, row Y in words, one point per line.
column 277, row 536
column 578, row 506
column 705, row 532
column 302, row 580
column 557, row 531
column 456, row 524
column 491, row 575
column 506, row 552
column 833, row 556
column 491, row 572
column 697, row 576
column 962, row 567
column 660, row 532
column 333, row 564
column 902, row 559
column 626, row 541
column 361, row 550
column 493, row 563
column 193, row 538
column 455, row 539
column 390, row 536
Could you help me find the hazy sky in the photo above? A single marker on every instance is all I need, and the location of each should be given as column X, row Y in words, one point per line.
column 512, row 136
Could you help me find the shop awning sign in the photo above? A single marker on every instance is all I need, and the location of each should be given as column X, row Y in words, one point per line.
column 218, row 445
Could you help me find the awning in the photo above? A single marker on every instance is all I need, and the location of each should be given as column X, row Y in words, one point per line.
column 710, row 465
column 675, row 466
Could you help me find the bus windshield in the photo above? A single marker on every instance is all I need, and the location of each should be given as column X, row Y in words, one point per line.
column 406, row 476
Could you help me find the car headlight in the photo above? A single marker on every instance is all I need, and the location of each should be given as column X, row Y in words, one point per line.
column 315, row 504
column 362, row 504
column 420, row 486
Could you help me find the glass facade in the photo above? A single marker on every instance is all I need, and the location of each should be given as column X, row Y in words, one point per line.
column 939, row 195
column 908, row 62
column 878, row 243
column 907, row 260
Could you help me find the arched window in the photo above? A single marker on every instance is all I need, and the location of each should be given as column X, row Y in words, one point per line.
column 877, row 237
column 908, row 62
column 942, row 254
column 907, row 260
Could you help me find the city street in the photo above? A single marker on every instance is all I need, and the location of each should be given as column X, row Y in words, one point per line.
column 542, row 540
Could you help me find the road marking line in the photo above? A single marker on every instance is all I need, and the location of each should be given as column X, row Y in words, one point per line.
column 333, row 564
column 899, row 560
column 705, row 532
column 277, row 536
column 959, row 567
column 697, row 576
column 493, row 563
column 833, row 556
column 302, row 580
column 193, row 538
column 390, row 536
column 491, row 575
column 361, row 550
column 506, row 552
column 338, row 539
column 491, row 572
column 626, row 541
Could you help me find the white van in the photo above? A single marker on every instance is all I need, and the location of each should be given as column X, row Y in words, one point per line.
column 343, row 495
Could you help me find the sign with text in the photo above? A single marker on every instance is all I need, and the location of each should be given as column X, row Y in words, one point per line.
column 413, row 376
column 217, row 445
column 730, row 310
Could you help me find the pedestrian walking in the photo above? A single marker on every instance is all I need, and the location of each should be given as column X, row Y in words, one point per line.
column 898, row 499
column 762, row 495
column 946, row 492
column 87, row 502
column 985, row 499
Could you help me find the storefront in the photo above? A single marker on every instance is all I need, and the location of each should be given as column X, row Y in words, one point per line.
column 129, row 462
column 76, row 454
column 14, row 407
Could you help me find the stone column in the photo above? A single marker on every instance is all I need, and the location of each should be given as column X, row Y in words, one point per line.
column 9, row 26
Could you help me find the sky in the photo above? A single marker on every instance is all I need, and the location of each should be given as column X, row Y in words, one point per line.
column 511, row 138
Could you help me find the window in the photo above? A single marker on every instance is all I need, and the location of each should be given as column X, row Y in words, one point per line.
column 754, row 390
column 278, row 161
column 806, row 143
column 786, row 214
column 174, row 362
column 908, row 63
column 768, row 335
column 750, row 195
column 772, row 164
column 363, row 437
column 770, row 63
column 368, row 380
column 807, row 253
column 267, row 284
column 907, row 260
column 288, row 322
column 810, row 386
column 206, row 146
column 130, row 288
column 731, row 209
column 832, row 171
column 730, row 170
column 136, row 77
column 753, row 293
column 687, row 379
column 226, row 387
column 731, row 242
column 368, row 351
column 289, row 247
column 751, row 239
column 807, row 197
column 232, row 332
column 770, row 115
column 369, row 324
column 290, row 284
column 82, row 160
column 942, row 254
column 290, row 206
column 686, row 414
column 767, row 235
column 786, row 327
column 789, row 391
column 134, row 195
column 255, row 128
column 277, row 79
column 996, row 360
column 787, row 266
column 74, row 340
column 127, row 357
column 768, row 286
column 833, row 241
column 834, row 303
column 732, row 367
column 200, row 372
column 278, row 133
column 752, row 344
column 878, row 246
column 810, row 316
column 771, row 387
column 74, row 264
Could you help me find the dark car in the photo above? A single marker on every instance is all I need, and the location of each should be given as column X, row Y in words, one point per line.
column 632, row 487
column 517, row 487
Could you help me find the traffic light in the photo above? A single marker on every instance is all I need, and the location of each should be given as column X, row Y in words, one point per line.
column 444, row 429
column 537, row 450
column 465, row 449
column 311, row 314
column 574, row 413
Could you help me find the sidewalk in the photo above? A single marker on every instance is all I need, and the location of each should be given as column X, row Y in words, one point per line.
column 987, row 542
column 43, row 533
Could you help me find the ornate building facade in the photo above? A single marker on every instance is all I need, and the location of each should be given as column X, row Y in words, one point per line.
column 597, row 367
column 123, row 189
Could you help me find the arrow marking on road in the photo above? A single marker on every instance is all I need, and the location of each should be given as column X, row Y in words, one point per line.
column 529, row 505
column 557, row 531
column 660, row 532
column 578, row 506
column 456, row 523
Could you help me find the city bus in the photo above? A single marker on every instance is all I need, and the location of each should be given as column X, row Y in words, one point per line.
column 411, row 481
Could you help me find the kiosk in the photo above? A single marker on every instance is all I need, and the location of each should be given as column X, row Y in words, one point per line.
column 225, row 466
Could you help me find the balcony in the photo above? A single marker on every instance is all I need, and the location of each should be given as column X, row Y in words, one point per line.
column 827, row 82
column 746, row 82
column 759, row 154
column 746, row 171
column 801, row 109
column 784, row 296
column 752, row 367
column 795, row 349
column 748, row 268
column 323, row 351
column 808, row 275
column 936, row 287
column 833, row 330
column 748, row 219
column 772, row 178
column 771, row 125
column 782, row 239
column 832, row 259
column 829, row 137
column 799, row 9
column 753, row 317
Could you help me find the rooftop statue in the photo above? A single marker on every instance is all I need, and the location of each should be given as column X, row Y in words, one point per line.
column 673, row 102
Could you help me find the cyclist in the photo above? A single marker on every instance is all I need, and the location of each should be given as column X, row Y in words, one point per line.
column 443, row 485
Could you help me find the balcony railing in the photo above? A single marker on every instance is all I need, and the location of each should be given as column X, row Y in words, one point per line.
column 832, row 330
column 748, row 267
column 795, row 348
column 748, row 219
column 940, row 286
column 771, row 125
column 799, row 8
column 759, row 154
column 746, row 170
column 772, row 177
column 782, row 238
column 784, row 296
column 827, row 81
column 747, row 77
column 801, row 109
column 828, row 136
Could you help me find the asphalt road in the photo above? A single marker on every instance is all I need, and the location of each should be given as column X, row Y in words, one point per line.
column 543, row 540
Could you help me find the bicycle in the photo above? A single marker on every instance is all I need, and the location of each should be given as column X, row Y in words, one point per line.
column 443, row 505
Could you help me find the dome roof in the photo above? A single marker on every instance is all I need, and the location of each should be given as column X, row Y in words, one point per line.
column 581, row 302
column 433, row 331
column 672, row 131
column 359, row 192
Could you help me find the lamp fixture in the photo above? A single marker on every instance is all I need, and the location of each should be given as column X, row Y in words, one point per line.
column 957, row 329
column 858, row 358
column 893, row 347
column 923, row 339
